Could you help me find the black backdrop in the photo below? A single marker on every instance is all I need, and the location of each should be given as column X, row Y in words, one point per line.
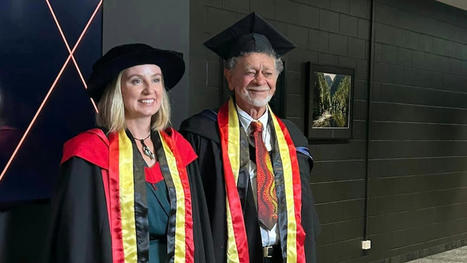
column 31, row 55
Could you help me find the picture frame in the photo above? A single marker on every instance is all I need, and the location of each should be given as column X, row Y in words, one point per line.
column 329, row 106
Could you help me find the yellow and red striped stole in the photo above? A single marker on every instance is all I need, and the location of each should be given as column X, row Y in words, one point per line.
column 180, row 233
column 121, row 200
column 292, row 242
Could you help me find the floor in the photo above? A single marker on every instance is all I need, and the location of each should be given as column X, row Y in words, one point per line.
column 451, row 256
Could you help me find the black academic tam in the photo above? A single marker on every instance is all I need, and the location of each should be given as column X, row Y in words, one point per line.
column 251, row 34
column 107, row 68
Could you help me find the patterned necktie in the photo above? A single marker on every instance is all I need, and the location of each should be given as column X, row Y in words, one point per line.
column 266, row 190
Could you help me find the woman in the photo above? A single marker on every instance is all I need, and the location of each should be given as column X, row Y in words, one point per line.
column 130, row 191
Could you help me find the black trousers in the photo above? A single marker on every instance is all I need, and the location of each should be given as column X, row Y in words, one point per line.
column 276, row 256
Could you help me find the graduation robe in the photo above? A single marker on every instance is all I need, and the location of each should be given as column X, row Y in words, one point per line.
column 203, row 133
column 80, row 229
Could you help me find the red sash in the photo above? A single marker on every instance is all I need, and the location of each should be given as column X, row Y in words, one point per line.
column 293, row 239
column 115, row 156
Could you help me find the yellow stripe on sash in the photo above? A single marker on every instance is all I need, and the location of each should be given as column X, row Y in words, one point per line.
column 126, row 187
column 234, row 139
column 234, row 157
column 289, row 195
column 180, row 199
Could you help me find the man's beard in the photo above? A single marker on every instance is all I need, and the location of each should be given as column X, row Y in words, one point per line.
column 257, row 102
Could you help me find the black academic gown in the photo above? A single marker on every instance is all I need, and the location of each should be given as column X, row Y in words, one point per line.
column 80, row 228
column 203, row 133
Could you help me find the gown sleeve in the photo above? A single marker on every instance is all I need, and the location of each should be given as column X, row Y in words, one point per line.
column 204, row 250
column 310, row 219
column 79, row 229
column 210, row 167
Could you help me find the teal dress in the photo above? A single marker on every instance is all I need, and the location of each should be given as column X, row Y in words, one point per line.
column 158, row 213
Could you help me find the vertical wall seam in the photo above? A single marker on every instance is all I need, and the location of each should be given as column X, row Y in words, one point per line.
column 369, row 115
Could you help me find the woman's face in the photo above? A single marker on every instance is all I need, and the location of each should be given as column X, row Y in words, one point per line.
column 142, row 89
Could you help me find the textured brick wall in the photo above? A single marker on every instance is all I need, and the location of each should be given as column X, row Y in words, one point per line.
column 418, row 147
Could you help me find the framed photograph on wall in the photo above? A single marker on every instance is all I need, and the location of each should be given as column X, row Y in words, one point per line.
column 329, row 102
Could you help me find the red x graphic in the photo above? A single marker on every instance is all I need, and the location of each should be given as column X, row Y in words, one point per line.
column 57, row 78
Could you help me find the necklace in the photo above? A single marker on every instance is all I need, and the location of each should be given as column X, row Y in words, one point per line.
column 146, row 149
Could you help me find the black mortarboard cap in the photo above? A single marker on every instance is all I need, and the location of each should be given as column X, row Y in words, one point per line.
column 251, row 34
column 122, row 57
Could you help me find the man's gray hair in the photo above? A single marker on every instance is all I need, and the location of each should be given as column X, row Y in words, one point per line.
column 279, row 65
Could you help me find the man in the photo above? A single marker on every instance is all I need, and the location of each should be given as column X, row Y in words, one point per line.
column 254, row 166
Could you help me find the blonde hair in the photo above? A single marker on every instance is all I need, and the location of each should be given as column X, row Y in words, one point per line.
column 112, row 110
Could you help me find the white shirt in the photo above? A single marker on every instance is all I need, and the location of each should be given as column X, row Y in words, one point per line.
column 268, row 237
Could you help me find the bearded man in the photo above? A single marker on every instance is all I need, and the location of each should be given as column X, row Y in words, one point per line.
column 254, row 166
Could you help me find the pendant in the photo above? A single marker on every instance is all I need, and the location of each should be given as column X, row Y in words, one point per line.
column 146, row 151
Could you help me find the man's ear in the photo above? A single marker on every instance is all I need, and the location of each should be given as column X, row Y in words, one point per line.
column 228, row 77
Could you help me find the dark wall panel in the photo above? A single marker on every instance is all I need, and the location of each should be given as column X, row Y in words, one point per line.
column 417, row 156
column 338, row 170
column 32, row 57
column 162, row 24
column 399, row 130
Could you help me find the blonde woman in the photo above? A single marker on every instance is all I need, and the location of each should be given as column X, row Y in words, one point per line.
column 129, row 190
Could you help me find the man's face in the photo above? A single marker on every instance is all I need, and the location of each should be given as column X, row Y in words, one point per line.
column 253, row 80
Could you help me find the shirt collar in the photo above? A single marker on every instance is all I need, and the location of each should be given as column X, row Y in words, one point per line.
column 246, row 119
